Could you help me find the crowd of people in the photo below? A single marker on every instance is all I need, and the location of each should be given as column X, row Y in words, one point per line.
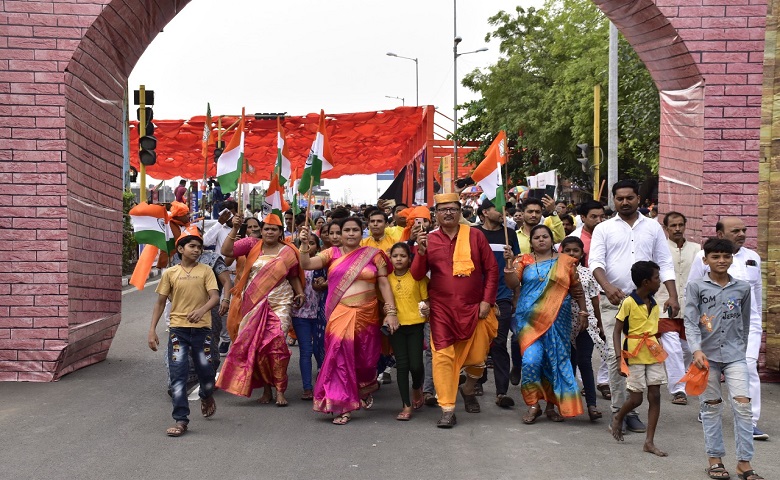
column 441, row 295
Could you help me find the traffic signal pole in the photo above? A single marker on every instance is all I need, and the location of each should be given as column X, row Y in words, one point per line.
column 141, row 134
column 596, row 144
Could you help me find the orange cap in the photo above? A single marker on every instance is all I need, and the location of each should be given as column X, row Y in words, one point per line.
column 178, row 209
column 273, row 219
column 192, row 230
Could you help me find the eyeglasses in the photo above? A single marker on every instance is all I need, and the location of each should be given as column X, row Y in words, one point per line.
column 448, row 210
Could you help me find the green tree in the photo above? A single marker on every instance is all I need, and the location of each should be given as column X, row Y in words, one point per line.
column 541, row 92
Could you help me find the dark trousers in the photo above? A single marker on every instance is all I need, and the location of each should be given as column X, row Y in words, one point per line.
column 183, row 343
column 407, row 344
column 498, row 348
column 581, row 357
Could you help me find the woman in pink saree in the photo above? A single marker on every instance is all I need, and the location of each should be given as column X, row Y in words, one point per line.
column 260, row 312
column 352, row 337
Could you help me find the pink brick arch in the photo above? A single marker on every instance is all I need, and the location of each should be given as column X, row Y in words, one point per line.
column 63, row 70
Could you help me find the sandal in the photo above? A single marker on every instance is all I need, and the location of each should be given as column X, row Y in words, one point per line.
column 447, row 420
column 749, row 475
column 553, row 415
column 404, row 416
column 717, row 471
column 504, row 401
column 178, row 430
column 307, row 395
column 367, row 402
column 208, row 406
column 430, row 399
column 534, row 412
column 342, row 419
column 419, row 401
column 594, row 413
column 472, row 404
column 605, row 392
column 680, row 398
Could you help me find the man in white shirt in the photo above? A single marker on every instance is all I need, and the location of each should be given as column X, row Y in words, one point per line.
column 616, row 245
column 216, row 236
column 746, row 266
column 671, row 329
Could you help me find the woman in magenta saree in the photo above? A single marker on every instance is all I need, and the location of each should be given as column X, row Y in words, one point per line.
column 352, row 337
column 260, row 313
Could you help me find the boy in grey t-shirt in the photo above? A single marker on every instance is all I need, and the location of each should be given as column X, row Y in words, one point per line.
column 717, row 323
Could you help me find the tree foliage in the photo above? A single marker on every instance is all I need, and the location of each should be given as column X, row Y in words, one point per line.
column 541, row 92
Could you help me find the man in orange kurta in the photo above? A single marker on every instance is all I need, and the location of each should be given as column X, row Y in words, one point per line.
column 462, row 291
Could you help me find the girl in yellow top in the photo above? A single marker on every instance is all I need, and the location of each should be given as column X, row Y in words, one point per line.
column 411, row 300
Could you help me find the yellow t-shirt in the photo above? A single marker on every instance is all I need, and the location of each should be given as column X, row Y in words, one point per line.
column 636, row 321
column 385, row 243
column 408, row 294
column 188, row 292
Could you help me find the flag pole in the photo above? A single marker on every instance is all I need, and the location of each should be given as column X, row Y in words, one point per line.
column 205, row 174
column 503, row 180
column 241, row 176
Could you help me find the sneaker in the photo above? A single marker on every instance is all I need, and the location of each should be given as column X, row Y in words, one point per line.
column 759, row 435
column 514, row 375
column 223, row 348
column 385, row 378
column 634, row 424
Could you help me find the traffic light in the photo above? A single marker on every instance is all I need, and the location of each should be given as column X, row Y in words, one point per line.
column 220, row 147
column 146, row 139
column 582, row 155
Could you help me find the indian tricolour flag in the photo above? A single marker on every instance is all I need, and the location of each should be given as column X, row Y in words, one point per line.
column 150, row 224
column 488, row 173
column 274, row 199
column 320, row 159
column 293, row 192
column 283, row 165
column 231, row 162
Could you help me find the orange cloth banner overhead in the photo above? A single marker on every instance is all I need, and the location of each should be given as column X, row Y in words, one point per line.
column 361, row 143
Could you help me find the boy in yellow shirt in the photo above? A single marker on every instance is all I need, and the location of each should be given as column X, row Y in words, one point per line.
column 642, row 356
column 192, row 288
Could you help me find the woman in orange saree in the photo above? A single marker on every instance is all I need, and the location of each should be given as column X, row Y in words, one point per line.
column 352, row 336
column 543, row 325
column 260, row 312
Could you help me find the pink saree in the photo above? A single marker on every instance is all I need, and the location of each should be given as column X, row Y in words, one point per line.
column 352, row 338
column 259, row 355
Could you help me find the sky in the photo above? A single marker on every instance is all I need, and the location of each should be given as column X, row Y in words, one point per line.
column 331, row 55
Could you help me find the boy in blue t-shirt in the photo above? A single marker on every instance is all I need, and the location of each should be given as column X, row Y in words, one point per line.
column 717, row 324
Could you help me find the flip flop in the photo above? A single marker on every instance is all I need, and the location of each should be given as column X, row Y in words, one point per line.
column 178, row 430
column 342, row 419
column 208, row 406
column 367, row 402
column 404, row 416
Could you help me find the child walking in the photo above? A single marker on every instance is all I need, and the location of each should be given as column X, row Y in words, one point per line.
column 304, row 320
column 192, row 289
column 586, row 335
column 717, row 323
column 411, row 300
column 642, row 357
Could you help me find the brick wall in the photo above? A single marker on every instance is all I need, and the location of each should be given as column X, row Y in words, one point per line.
column 63, row 68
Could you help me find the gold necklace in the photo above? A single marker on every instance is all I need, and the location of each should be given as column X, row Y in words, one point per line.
column 536, row 266
column 190, row 270
column 398, row 280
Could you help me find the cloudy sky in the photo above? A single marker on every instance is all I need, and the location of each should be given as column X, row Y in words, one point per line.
column 299, row 57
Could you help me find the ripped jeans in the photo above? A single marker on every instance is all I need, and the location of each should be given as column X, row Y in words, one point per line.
column 736, row 374
column 184, row 342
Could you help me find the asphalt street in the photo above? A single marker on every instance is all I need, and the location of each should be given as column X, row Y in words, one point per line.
column 108, row 421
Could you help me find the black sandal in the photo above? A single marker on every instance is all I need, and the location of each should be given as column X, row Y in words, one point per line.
column 447, row 419
column 717, row 471
column 749, row 475
column 534, row 412
column 472, row 404
column 605, row 392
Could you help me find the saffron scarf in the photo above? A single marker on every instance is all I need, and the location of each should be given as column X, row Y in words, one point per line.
column 462, row 265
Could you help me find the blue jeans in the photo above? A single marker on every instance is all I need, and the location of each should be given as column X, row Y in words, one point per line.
column 736, row 374
column 183, row 343
column 308, row 344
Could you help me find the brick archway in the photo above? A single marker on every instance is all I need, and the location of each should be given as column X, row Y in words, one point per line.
column 63, row 70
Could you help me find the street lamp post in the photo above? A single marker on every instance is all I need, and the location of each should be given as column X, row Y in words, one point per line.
column 455, row 56
column 402, row 99
column 416, row 74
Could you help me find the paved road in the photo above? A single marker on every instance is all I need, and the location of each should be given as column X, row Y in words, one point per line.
column 108, row 422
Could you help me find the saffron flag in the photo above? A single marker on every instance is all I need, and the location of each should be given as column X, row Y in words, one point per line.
column 150, row 224
column 488, row 173
column 231, row 162
column 320, row 159
column 274, row 199
column 283, row 166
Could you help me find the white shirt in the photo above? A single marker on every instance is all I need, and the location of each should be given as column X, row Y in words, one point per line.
column 683, row 258
column 740, row 270
column 216, row 236
column 616, row 246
